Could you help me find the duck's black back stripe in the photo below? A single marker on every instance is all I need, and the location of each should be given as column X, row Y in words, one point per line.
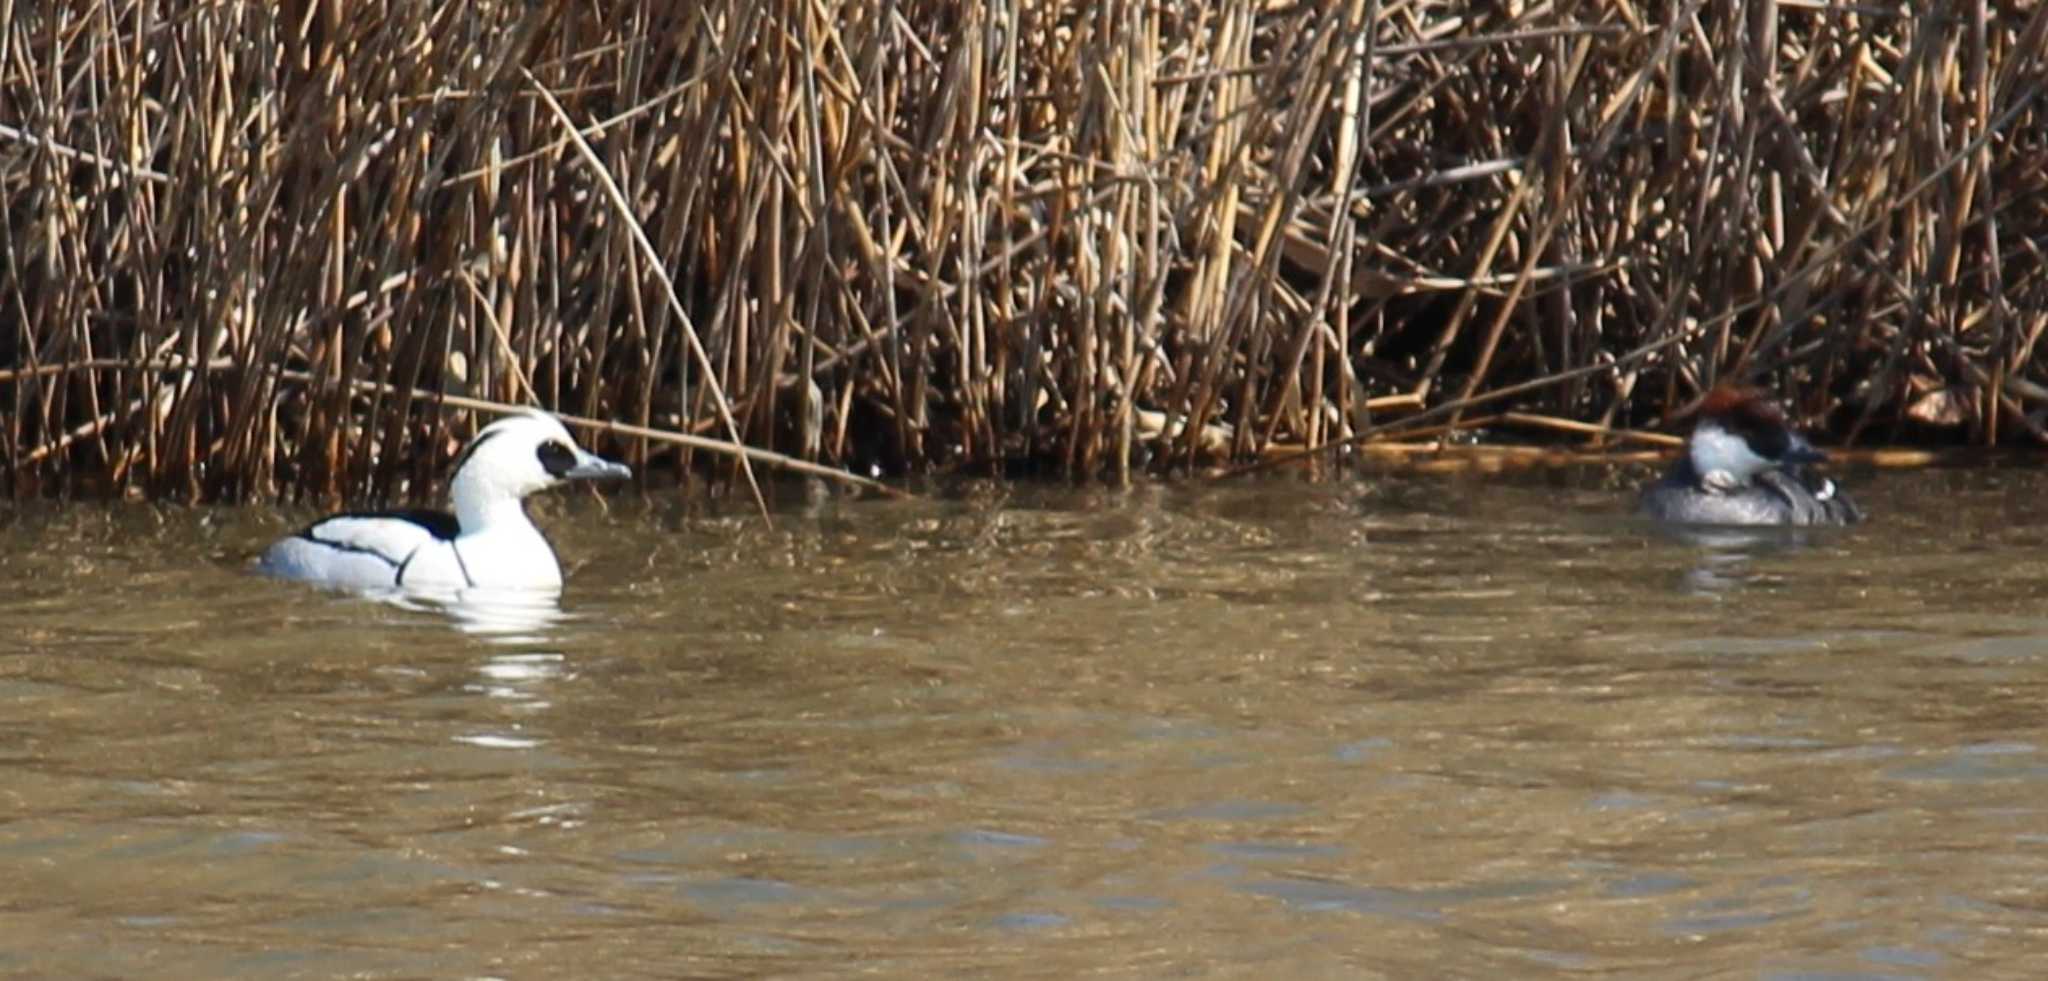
column 440, row 524
column 467, row 579
column 398, row 578
column 469, row 451
column 357, row 549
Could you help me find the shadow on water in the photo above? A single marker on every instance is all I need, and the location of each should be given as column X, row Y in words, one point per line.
column 1393, row 726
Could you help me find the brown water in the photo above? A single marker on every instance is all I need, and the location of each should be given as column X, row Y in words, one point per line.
column 1393, row 728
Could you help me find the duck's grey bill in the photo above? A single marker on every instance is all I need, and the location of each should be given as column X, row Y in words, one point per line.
column 597, row 468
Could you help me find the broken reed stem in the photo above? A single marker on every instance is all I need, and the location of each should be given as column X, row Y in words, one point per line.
column 743, row 453
column 668, row 286
column 770, row 458
column 1577, row 428
column 1000, row 237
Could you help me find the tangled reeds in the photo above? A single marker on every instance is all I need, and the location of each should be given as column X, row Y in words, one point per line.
column 251, row 246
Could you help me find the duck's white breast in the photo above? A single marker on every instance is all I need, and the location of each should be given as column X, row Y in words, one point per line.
column 515, row 557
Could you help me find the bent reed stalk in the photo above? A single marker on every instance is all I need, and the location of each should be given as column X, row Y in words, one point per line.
column 257, row 250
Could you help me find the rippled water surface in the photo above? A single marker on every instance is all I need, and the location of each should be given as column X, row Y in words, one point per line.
column 1389, row 727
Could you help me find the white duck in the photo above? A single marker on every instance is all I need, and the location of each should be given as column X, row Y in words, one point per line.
column 487, row 542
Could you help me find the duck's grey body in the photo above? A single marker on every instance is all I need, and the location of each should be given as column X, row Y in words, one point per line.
column 1778, row 496
column 1744, row 465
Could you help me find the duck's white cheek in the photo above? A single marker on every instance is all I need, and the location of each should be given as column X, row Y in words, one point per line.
column 1717, row 449
column 519, row 483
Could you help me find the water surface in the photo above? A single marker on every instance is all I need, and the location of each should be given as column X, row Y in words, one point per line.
column 1386, row 727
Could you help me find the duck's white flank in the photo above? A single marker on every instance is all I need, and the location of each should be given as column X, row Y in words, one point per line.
column 487, row 541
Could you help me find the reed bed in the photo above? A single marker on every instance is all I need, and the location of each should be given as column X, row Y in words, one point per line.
column 259, row 249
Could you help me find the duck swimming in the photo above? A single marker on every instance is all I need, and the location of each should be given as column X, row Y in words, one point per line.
column 1744, row 465
column 487, row 541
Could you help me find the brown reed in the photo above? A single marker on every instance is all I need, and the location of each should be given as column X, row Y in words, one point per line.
column 253, row 249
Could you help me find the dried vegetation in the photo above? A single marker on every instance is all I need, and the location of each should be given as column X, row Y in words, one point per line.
column 251, row 247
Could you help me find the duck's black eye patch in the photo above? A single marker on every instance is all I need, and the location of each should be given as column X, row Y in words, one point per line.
column 556, row 457
column 1765, row 430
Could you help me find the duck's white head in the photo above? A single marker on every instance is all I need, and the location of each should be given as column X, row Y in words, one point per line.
column 1741, row 434
column 516, row 456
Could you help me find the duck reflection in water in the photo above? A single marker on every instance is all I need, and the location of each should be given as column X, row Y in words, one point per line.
column 512, row 616
column 1724, row 554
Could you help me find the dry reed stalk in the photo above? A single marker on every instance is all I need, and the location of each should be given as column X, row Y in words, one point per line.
column 768, row 457
column 1577, row 428
column 1001, row 236
column 689, row 330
